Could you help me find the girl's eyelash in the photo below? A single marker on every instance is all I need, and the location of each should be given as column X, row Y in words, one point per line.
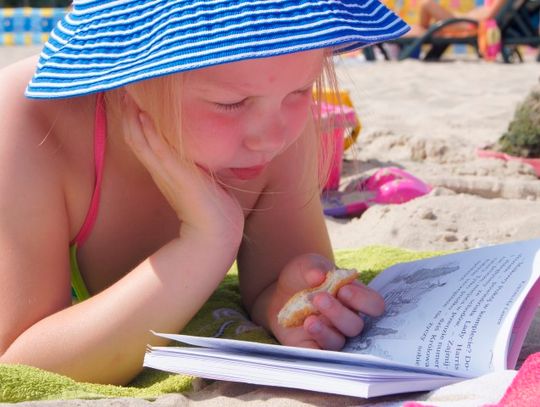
column 230, row 106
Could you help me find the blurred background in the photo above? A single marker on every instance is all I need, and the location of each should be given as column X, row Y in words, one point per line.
column 34, row 3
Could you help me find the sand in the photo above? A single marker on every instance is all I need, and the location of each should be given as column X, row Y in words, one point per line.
column 427, row 118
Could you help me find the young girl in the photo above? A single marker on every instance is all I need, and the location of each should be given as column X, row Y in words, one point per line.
column 160, row 141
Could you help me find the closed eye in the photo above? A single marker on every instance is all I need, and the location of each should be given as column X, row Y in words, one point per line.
column 228, row 107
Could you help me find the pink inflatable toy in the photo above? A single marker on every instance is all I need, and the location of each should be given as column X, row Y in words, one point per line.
column 389, row 185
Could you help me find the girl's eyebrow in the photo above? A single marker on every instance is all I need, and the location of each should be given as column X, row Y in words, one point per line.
column 211, row 84
column 226, row 86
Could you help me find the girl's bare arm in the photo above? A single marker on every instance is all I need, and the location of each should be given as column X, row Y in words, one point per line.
column 287, row 249
column 104, row 338
column 287, row 222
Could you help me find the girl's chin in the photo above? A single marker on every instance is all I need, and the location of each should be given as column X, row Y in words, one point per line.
column 240, row 174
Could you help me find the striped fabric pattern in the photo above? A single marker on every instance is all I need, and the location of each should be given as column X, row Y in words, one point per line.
column 104, row 44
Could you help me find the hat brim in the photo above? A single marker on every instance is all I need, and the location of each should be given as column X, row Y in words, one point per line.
column 99, row 48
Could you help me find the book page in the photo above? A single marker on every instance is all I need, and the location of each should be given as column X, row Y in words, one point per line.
column 275, row 370
column 446, row 312
column 525, row 316
column 282, row 351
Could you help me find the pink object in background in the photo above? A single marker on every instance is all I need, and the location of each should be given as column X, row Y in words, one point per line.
column 524, row 391
column 394, row 185
column 336, row 164
column 489, row 39
column 336, row 119
column 390, row 185
column 533, row 162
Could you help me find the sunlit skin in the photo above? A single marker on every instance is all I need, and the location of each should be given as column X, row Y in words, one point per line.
column 430, row 11
column 243, row 115
column 167, row 230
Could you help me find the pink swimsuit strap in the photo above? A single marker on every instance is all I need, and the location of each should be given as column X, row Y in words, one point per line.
column 100, row 134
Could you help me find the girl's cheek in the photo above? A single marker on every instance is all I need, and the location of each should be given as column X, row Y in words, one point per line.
column 298, row 117
column 205, row 125
column 212, row 142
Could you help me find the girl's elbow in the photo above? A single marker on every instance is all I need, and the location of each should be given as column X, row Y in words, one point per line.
column 5, row 356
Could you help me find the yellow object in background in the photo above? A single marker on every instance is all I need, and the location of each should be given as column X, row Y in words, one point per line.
column 343, row 97
column 408, row 9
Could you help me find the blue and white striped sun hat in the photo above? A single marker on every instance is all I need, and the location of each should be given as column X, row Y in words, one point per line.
column 104, row 44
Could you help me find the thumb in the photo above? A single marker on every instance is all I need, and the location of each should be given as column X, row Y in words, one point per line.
column 308, row 270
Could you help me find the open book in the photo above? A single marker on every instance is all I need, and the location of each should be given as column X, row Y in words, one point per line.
column 447, row 318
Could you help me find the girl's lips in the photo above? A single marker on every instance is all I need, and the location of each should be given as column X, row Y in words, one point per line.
column 248, row 173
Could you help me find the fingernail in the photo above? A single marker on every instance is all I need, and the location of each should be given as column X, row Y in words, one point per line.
column 142, row 118
column 313, row 276
column 346, row 293
column 315, row 328
column 324, row 302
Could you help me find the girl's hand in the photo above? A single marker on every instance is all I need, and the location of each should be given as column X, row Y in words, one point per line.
column 204, row 207
column 339, row 317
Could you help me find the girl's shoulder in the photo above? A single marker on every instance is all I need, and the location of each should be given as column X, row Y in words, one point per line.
column 35, row 146
column 22, row 118
column 27, row 124
column 24, row 121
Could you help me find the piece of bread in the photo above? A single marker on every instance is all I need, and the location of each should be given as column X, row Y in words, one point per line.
column 299, row 306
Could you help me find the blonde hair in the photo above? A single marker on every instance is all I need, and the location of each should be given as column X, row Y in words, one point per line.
column 161, row 98
column 326, row 84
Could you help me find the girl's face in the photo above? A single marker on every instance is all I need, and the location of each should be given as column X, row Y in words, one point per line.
column 237, row 117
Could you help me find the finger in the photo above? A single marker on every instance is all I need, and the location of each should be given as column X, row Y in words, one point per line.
column 202, row 205
column 185, row 174
column 131, row 124
column 135, row 136
column 362, row 299
column 308, row 343
column 149, row 142
column 156, row 141
column 325, row 336
column 308, row 270
column 160, row 154
column 145, row 142
column 342, row 318
column 152, row 149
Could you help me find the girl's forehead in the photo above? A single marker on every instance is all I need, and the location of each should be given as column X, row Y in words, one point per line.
column 298, row 69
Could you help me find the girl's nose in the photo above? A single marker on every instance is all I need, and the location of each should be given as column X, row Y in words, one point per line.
column 267, row 139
